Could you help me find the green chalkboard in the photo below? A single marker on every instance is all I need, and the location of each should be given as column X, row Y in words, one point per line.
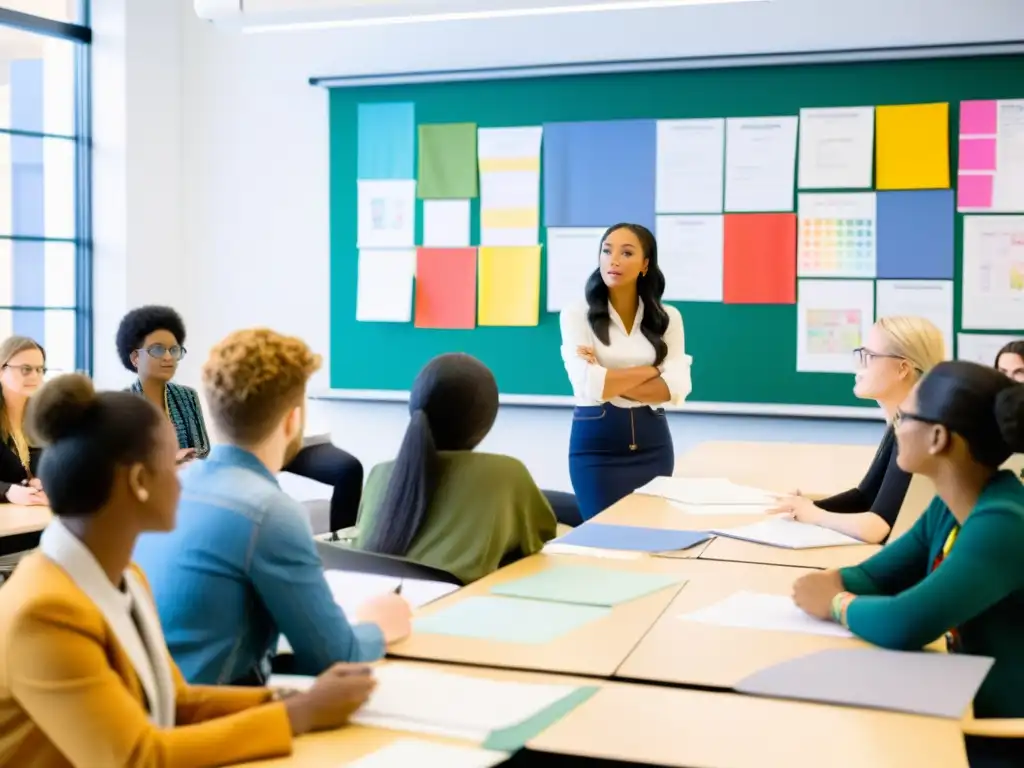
column 742, row 353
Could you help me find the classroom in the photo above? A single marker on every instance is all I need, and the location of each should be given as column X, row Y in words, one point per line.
column 455, row 488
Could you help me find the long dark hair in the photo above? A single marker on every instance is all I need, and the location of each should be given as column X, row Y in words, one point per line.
column 980, row 404
column 650, row 288
column 1010, row 348
column 452, row 407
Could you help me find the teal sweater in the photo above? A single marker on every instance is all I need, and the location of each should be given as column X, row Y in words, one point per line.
column 977, row 590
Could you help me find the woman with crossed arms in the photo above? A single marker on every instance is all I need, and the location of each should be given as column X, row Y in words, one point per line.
column 624, row 353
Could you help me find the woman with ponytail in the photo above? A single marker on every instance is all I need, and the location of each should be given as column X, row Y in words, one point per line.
column 440, row 503
column 625, row 355
column 959, row 572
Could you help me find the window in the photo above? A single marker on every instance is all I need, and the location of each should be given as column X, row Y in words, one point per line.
column 45, row 243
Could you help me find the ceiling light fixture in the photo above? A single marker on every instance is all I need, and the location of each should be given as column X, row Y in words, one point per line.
column 428, row 18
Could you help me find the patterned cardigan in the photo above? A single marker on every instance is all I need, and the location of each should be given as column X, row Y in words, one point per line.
column 186, row 414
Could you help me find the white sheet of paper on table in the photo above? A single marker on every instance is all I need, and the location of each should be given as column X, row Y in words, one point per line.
column 721, row 509
column 705, row 490
column 416, row 753
column 551, row 548
column 778, row 531
column 437, row 703
column 754, row 610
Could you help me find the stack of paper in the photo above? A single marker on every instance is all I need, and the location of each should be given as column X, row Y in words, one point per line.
column 722, row 509
column 631, row 538
column 440, row 703
column 788, row 534
column 404, row 753
column 751, row 610
column 705, row 491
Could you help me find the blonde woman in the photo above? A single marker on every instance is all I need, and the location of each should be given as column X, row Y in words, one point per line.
column 22, row 365
column 898, row 352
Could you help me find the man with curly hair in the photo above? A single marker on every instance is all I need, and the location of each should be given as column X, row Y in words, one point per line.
column 241, row 567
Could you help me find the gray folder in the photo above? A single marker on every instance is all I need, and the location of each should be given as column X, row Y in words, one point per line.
column 918, row 682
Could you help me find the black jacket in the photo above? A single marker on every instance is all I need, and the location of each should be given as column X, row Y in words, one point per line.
column 12, row 471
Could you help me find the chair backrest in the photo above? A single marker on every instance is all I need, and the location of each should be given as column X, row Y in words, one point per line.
column 338, row 557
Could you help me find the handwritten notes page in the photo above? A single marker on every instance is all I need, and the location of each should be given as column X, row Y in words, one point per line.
column 760, row 163
column 836, row 147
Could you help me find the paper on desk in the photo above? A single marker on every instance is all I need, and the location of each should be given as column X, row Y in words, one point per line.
column 783, row 532
column 753, row 610
column 555, row 547
column 405, row 753
column 722, row 509
column 922, row 683
column 527, row 622
column 586, row 585
column 442, row 703
column 705, row 490
column 631, row 538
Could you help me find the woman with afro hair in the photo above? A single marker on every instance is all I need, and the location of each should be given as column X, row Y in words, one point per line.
column 151, row 343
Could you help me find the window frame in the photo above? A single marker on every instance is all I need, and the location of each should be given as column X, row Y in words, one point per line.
column 81, row 35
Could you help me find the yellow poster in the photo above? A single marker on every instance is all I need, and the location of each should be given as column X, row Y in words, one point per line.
column 509, row 286
column 912, row 146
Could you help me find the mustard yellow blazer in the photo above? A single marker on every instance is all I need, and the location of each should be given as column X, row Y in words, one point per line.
column 69, row 695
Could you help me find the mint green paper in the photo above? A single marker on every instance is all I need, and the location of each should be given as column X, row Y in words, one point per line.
column 585, row 585
column 515, row 737
column 447, row 161
column 529, row 622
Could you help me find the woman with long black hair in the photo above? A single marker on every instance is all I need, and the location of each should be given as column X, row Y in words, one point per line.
column 624, row 353
column 440, row 502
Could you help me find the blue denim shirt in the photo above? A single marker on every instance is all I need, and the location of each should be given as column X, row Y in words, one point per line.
column 240, row 568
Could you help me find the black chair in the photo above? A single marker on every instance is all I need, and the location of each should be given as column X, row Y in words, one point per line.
column 338, row 557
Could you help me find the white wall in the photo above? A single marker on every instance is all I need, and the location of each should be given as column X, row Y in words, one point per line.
column 247, row 221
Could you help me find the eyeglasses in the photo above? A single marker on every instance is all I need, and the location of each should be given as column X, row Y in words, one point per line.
column 158, row 351
column 28, row 370
column 905, row 416
column 863, row 356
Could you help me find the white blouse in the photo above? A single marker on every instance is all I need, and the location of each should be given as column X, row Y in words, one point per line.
column 623, row 350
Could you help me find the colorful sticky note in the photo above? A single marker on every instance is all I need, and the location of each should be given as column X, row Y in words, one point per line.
column 386, row 141
column 509, row 286
column 977, row 154
column 975, row 191
column 760, row 258
column 915, row 234
column 446, row 288
column 599, row 174
column 978, row 117
column 447, row 168
column 912, row 149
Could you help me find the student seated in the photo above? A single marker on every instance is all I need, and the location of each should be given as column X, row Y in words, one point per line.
column 958, row 572
column 440, row 503
column 899, row 350
column 241, row 566
column 85, row 676
column 150, row 342
column 1010, row 360
column 22, row 365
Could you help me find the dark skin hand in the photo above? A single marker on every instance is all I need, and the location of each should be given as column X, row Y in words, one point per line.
column 814, row 592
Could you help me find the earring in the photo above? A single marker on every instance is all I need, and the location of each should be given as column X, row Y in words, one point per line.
column 143, row 495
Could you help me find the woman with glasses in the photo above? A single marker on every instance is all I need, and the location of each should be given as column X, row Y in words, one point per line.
column 22, row 366
column 897, row 352
column 958, row 572
column 151, row 342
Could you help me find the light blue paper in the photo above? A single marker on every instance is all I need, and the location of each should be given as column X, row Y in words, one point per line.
column 505, row 620
column 597, row 174
column 631, row 539
column 386, row 139
column 585, row 585
column 915, row 234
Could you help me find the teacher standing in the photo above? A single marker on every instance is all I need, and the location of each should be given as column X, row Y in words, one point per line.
column 624, row 353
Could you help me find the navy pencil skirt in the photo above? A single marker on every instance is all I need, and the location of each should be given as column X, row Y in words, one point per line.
column 613, row 451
